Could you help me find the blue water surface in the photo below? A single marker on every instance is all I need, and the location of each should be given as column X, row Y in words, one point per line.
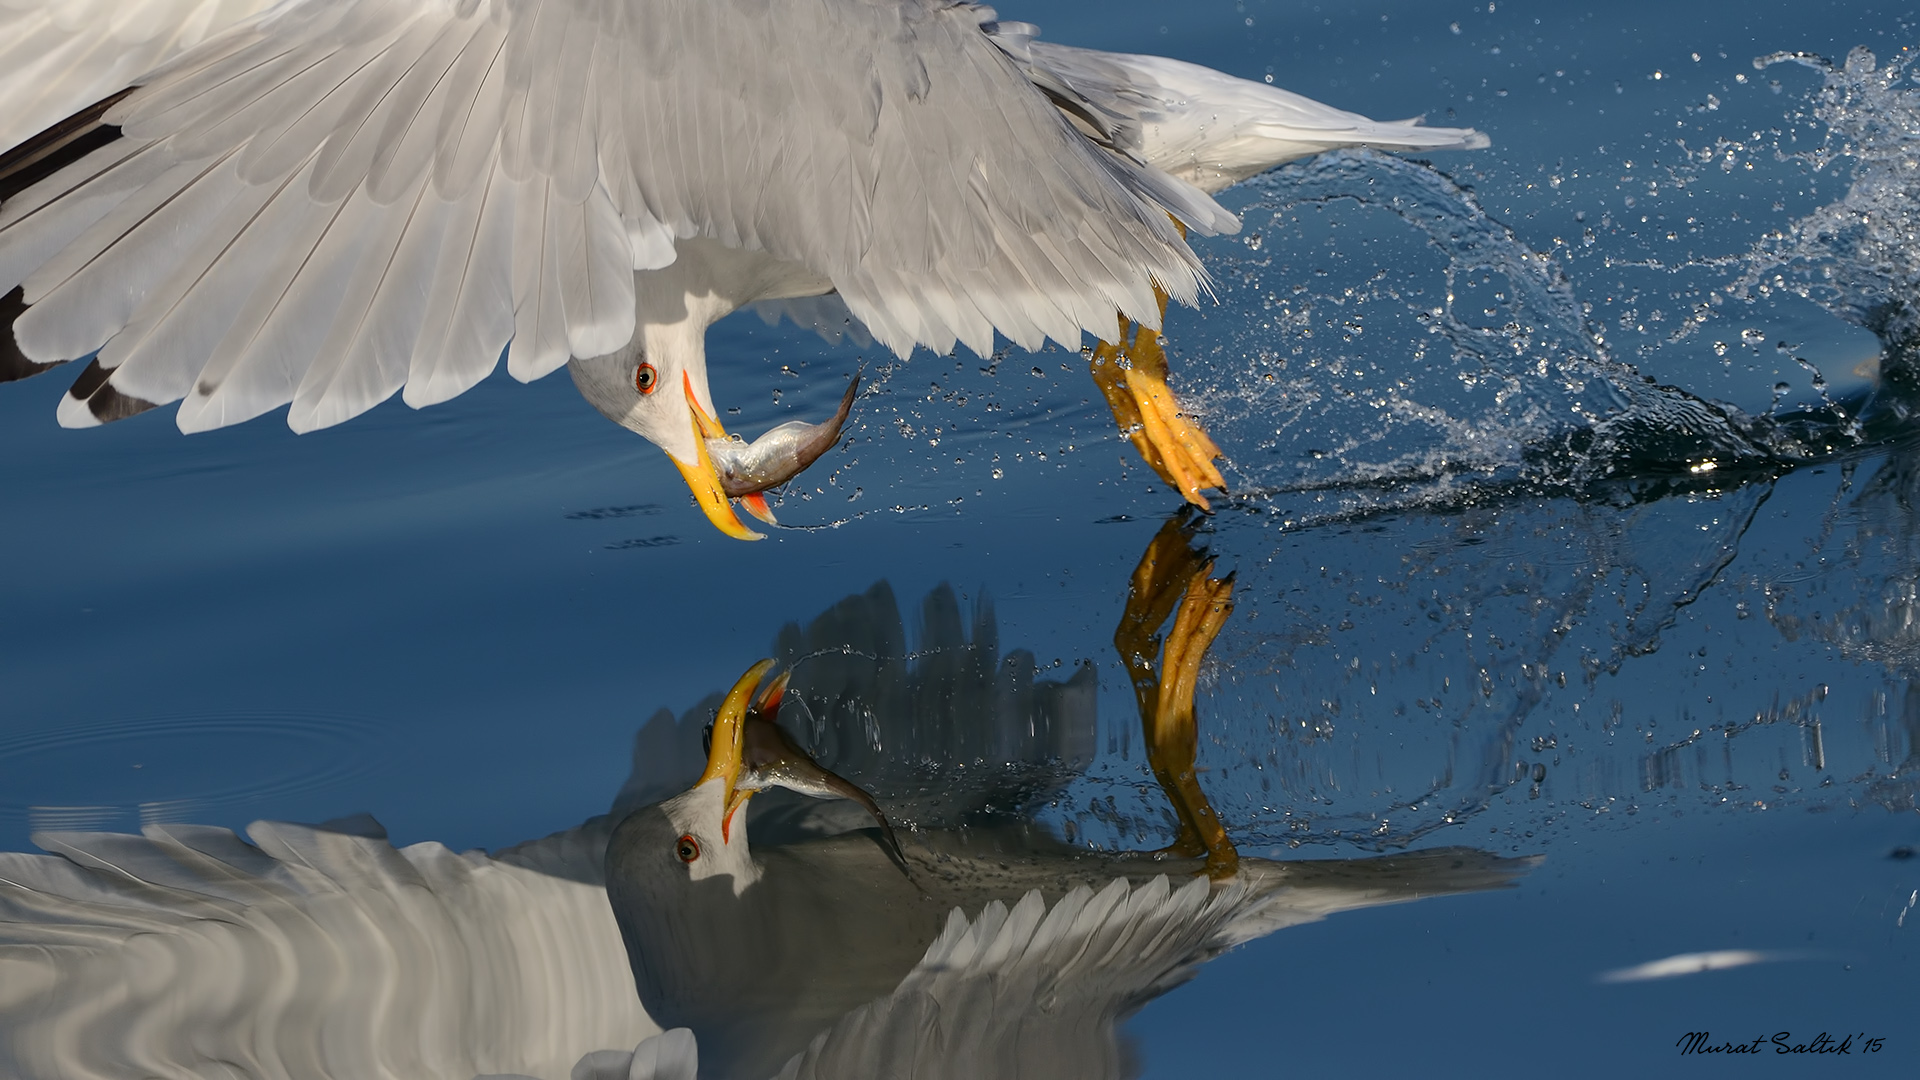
column 1674, row 652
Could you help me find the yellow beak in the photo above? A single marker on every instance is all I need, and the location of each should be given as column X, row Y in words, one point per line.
column 728, row 748
column 702, row 478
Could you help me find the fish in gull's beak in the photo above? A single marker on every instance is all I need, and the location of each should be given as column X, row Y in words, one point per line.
column 784, row 452
column 729, row 467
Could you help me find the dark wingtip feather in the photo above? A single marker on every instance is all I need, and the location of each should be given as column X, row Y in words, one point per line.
column 14, row 363
column 21, row 168
column 57, row 147
column 103, row 401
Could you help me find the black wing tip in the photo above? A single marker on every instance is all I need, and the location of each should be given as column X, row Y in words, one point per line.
column 57, row 147
column 103, row 401
column 14, row 364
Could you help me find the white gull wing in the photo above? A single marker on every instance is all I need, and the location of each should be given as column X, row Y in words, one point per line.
column 59, row 56
column 337, row 201
column 1034, row 990
column 316, row 953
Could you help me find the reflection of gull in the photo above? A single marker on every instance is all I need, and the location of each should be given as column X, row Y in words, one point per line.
column 334, row 202
column 311, row 953
column 999, row 951
column 326, row 952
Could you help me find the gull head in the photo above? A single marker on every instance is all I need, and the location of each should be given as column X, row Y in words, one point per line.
column 662, row 394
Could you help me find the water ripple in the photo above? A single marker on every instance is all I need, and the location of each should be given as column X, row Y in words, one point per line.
column 157, row 768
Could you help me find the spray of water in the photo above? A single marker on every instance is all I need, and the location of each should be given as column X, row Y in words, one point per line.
column 1856, row 256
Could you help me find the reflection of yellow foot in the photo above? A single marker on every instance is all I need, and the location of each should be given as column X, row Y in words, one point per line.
column 1173, row 573
column 1133, row 376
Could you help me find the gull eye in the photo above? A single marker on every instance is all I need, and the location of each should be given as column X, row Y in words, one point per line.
column 687, row 848
column 645, row 378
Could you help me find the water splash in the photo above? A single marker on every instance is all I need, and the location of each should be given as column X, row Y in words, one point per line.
column 1452, row 364
column 1856, row 256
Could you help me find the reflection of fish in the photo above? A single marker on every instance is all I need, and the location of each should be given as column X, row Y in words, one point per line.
column 1006, row 953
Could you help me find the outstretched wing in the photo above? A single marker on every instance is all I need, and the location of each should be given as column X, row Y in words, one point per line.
column 335, row 201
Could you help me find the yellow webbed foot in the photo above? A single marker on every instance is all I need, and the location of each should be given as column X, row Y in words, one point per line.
column 1133, row 377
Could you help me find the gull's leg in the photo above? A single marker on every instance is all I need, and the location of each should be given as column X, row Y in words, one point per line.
column 1133, row 377
column 1171, row 573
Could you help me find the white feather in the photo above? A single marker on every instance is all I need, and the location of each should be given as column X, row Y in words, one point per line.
column 468, row 315
column 58, row 56
column 87, row 293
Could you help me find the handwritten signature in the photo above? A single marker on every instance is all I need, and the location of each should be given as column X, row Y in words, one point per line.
column 1780, row 1042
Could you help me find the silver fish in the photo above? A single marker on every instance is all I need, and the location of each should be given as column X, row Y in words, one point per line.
column 779, row 455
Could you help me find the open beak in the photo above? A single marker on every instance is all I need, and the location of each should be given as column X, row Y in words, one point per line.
column 749, row 751
column 731, row 468
column 726, row 752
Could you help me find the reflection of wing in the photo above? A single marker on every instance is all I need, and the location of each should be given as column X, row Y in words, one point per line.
column 318, row 953
column 934, row 731
column 1029, row 991
column 951, row 708
column 59, row 56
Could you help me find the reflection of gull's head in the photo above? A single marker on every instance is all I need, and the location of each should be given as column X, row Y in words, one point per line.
column 691, row 835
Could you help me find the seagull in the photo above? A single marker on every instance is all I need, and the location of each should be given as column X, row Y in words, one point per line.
column 331, row 201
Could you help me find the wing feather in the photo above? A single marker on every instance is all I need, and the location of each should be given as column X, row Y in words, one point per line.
column 368, row 350
column 336, row 200
column 469, row 314
column 475, row 110
column 266, row 353
column 58, row 55
column 158, row 355
column 347, row 156
column 540, row 323
column 36, row 224
column 407, row 145
column 79, row 298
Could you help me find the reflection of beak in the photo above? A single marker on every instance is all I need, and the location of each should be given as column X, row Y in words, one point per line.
column 772, row 759
column 726, row 753
column 702, row 478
